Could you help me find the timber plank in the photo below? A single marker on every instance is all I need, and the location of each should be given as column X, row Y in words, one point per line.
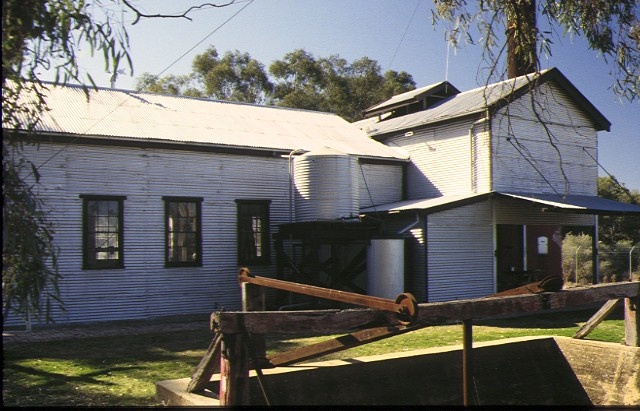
column 597, row 318
column 343, row 321
column 209, row 365
column 337, row 344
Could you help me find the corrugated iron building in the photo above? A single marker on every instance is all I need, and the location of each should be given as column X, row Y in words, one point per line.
column 158, row 200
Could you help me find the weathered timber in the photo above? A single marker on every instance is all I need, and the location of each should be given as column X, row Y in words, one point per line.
column 318, row 322
column 467, row 363
column 341, row 321
column 333, row 345
column 209, row 365
column 597, row 318
column 632, row 321
column 234, row 371
column 550, row 283
column 331, row 294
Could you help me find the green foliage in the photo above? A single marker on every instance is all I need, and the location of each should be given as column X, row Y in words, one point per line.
column 39, row 35
column 576, row 249
column 611, row 28
column 332, row 84
column 618, row 261
column 617, row 235
column 300, row 80
column 235, row 76
column 121, row 371
column 613, row 229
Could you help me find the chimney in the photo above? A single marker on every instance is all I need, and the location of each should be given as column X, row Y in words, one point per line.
column 522, row 53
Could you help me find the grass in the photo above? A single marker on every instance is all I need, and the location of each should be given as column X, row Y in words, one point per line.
column 122, row 371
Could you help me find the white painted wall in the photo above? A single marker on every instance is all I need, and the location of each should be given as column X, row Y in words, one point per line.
column 145, row 288
column 537, row 153
column 440, row 160
column 460, row 253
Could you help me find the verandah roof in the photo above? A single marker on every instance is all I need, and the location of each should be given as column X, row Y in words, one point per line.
column 577, row 204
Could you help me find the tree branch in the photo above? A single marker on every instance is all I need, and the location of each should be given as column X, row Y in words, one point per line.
column 184, row 15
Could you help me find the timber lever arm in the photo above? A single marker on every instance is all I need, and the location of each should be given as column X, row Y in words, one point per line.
column 405, row 304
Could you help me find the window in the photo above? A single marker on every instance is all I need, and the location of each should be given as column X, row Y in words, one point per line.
column 102, row 221
column 183, row 231
column 253, row 232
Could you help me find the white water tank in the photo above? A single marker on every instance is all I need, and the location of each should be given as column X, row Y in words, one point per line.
column 326, row 185
column 385, row 268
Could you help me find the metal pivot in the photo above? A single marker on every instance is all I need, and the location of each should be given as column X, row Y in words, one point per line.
column 405, row 305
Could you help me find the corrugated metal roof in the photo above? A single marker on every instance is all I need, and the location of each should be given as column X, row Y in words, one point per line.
column 412, row 96
column 479, row 99
column 138, row 115
column 582, row 204
column 430, row 205
column 579, row 204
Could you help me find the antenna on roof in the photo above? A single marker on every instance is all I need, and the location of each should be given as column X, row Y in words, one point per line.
column 446, row 66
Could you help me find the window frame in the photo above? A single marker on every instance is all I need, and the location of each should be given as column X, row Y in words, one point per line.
column 264, row 259
column 197, row 262
column 89, row 260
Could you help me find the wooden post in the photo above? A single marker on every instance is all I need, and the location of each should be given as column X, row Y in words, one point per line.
column 597, row 318
column 253, row 298
column 632, row 321
column 234, row 371
column 467, row 362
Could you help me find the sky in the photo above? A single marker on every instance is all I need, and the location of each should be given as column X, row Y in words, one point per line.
column 399, row 34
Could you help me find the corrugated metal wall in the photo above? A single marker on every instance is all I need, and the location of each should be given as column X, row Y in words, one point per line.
column 379, row 184
column 145, row 288
column 561, row 149
column 440, row 160
column 461, row 253
column 481, row 158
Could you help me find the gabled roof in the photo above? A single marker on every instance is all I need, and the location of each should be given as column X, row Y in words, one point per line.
column 493, row 97
column 575, row 204
column 443, row 89
column 137, row 116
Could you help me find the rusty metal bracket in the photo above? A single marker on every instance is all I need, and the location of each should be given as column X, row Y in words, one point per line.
column 405, row 304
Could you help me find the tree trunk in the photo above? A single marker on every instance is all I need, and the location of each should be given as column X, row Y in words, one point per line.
column 522, row 54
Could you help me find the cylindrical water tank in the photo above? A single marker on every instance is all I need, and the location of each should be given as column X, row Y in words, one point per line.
column 385, row 268
column 326, row 185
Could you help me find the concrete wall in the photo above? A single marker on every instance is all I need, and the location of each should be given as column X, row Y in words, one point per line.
column 518, row 371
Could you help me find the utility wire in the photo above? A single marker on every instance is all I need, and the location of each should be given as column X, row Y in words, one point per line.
column 406, row 30
column 534, row 167
column 615, row 180
column 141, row 87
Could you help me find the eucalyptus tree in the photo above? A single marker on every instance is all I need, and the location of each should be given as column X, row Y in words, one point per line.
column 39, row 36
column 519, row 31
column 333, row 84
column 234, row 76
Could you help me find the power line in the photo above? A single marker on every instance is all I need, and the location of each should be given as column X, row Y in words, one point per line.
column 142, row 86
column 406, row 30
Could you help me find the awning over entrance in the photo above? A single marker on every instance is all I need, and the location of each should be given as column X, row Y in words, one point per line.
column 578, row 204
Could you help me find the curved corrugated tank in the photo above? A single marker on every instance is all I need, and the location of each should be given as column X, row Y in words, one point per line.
column 326, row 183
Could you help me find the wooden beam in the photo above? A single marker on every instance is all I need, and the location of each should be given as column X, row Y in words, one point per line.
column 321, row 322
column 597, row 318
column 632, row 321
column 337, row 344
column 467, row 363
column 209, row 365
column 318, row 322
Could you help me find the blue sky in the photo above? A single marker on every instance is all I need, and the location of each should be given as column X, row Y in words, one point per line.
column 396, row 33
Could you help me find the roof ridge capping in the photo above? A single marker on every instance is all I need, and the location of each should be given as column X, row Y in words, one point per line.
column 179, row 96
